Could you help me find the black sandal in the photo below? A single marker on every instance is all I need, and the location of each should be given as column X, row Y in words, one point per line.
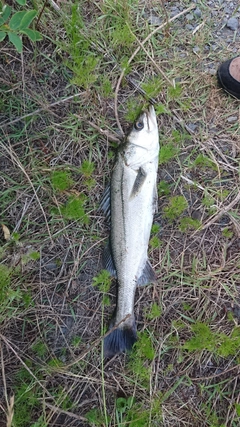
column 225, row 79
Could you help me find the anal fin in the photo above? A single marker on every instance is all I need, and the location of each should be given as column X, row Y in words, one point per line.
column 105, row 204
column 107, row 259
column 148, row 275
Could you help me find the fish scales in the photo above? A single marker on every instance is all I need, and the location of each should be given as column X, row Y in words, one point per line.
column 133, row 199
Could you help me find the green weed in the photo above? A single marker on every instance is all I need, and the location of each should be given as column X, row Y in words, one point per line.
column 121, row 36
column 40, row 348
column 226, row 232
column 102, row 281
column 155, row 242
column 154, row 312
column 143, row 350
column 27, row 393
column 210, row 203
column 203, row 161
column 164, row 188
column 175, row 92
column 87, row 168
column 176, row 206
column 61, row 180
column 188, row 223
column 81, row 60
column 105, row 86
column 95, row 417
column 130, row 413
column 217, row 343
column 133, row 110
column 74, row 209
column 162, row 109
column 152, row 88
column 5, row 279
column 168, row 152
column 12, row 298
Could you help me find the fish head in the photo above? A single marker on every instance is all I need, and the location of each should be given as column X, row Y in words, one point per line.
column 144, row 133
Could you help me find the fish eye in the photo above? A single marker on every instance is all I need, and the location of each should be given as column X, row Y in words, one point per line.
column 139, row 125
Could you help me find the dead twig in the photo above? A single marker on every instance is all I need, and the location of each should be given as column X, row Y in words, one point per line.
column 61, row 411
column 216, row 375
column 222, row 211
column 109, row 135
column 39, row 110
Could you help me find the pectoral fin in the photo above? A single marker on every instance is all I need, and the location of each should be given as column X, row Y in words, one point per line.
column 140, row 178
column 148, row 275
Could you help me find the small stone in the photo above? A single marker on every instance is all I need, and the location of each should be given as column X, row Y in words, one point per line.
column 154, row 20
column 232, row 23
column 50, row 266
column 232, row 119
column 192, row 126
column 189, row 17
column 211, row 71
column 196, row 49
column 197, row 12
column 189, row 27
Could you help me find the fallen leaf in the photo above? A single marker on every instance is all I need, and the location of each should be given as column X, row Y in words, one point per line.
column 6, row 232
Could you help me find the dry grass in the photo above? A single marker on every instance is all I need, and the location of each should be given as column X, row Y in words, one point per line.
column 52, row 316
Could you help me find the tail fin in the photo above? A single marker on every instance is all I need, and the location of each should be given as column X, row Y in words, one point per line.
column 120, row 340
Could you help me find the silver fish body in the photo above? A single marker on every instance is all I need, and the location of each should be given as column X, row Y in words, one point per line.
column 131, row 203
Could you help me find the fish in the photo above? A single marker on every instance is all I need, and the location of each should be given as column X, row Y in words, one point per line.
column 129, row 203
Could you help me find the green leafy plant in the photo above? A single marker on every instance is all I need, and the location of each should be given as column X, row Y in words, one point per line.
column 5, row 279
column 217, row 343
column 105, row 86
column 209, row 202
column 153, row 87
column 81, row 60
column 164, row 188
column 16, row 24
column 188, row 223
column 176, row 206
column 226, row 232
column 87, row 168
column 74, row 209
column 95, row 417
column 204, row 162
column 175, row 92
column 122, row 36
column 102, row 281
column 142, row 353
column 61, row 180
column 40, row 348
column 168, row 152
column 154, row 312
column 27, row 393
column 133, row 110
column 162, row 109
column 155, row 242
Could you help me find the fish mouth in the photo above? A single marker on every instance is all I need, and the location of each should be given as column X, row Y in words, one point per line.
column 151, row 117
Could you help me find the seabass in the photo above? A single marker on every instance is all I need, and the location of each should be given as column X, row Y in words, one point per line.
column 130, row 203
